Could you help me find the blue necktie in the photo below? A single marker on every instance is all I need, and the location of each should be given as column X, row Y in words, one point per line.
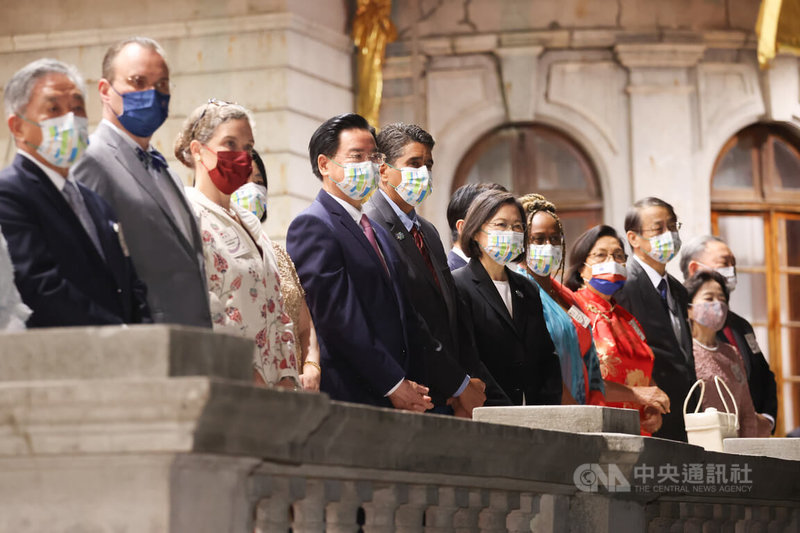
column 153, row 158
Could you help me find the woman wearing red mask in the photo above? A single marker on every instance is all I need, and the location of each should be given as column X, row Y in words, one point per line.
column 241, row 271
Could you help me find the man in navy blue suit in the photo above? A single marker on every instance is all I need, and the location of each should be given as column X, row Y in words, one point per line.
column 64, row 241
column 370, row 339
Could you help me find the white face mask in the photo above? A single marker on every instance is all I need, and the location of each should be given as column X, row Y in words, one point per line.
column 64, row 139
column 416, row 184
column 503, row 246
column 544, row 259
column 359, row 180
column 729, row 273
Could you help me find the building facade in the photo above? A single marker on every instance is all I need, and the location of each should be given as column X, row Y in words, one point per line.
column 594, row 104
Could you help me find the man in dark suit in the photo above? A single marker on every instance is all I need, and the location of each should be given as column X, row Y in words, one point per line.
column 707, row 252
column 64, row 241
column 123, row 167
column 456, row 212
column 659, row 302
column 405, row 183
column 370, row 344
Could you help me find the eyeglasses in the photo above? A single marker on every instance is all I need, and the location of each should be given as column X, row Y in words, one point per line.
column 602, row 257
column 141, row 83
column 539, row 240
column 661, row 228
column 357, row 157
column 502, row 226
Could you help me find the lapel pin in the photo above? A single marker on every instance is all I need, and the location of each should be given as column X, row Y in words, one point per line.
column 400, row 235
column 518, row 293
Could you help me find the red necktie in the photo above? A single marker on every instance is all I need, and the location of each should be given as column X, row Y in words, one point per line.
column 370, row 233
column 420, row 242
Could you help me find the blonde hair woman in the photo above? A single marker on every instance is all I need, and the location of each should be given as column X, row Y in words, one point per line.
column 241, row 271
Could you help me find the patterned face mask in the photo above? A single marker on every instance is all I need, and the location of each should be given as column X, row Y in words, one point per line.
column 64, row 139
column 503, row 246
column 608, row 277
column 710, row 314
column 253, row 197
column 544, row 259
column 359, row 180
column 416, row 184
column 665, row 246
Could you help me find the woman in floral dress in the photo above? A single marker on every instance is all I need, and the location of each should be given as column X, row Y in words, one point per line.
column 241, row 270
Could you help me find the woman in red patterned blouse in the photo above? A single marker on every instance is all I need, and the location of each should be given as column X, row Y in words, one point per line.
column 597, row 271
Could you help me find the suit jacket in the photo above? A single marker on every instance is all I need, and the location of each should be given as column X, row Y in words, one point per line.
column 170, row 264
column 436, row 300
column 517, row 351
column 455, row 261
column 367, row 331
column 58, row 271
column 760, row 378
column 673, row 367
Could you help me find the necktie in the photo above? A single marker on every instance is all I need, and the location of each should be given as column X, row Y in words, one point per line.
column 75, row 201
column 152, row 158
column 370, row 234
column 420, row 242
column 662, row 290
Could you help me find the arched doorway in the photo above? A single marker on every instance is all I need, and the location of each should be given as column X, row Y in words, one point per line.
column 528, row 157
column 755, row 207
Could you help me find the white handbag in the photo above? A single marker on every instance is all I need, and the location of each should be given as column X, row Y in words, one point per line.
column 709, row 428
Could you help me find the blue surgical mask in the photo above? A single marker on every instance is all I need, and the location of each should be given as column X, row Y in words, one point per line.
column 143, row 112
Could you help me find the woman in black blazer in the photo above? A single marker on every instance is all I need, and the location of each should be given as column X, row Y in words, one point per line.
column 508, row 323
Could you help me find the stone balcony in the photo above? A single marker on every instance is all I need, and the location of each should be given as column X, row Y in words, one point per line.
column 156, row 429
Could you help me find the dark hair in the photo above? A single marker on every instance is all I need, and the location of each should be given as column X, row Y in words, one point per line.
column 461, row 200
column 116, row 48
column 633, row 220
column 484, row 207
column 259, row 163
column 694, row 248
column 536, row 203
column 325, row 140
column 700, row 277
column 394, row 137
column 580, row 252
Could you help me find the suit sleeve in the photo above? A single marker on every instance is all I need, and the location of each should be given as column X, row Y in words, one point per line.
column 341, row 322
column 54, row 300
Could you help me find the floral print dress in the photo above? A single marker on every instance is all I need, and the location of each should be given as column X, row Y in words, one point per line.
column 244, row 286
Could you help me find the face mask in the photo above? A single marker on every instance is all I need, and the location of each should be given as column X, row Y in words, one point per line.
column 665, row 246
column 503, row 246
column 608, row 277
column 416, row 184
column 232, row 171
column 359, row 180
column 252, row 197
column 544, row 259
column 729, row 273
column 64, row 139
column 143, row 112
column 710, row 314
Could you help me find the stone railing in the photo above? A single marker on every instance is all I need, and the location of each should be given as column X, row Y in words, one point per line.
column 156, row 429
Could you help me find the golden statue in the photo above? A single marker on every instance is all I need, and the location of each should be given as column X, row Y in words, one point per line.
column 778, row 29
column 372, row 31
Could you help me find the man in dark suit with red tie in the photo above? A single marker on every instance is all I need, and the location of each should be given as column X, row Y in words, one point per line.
column 456, row 376
column 64, row 240
column 372, row 342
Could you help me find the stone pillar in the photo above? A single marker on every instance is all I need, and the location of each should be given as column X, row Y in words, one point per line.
column 309, row 509
column 380, row 511
column 346, row 498
column 501, row 503
column 553, row 514
column 272, row 513
column 439, row 517
column 664, row 130
column 410, row 516
column 520, row 521
column 466, row 519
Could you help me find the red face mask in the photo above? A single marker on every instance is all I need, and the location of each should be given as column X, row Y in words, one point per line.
column 232, row 171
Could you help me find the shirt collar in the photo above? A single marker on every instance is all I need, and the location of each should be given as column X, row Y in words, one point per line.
column 655, row 277
column 57, row 179
column 408, row 220
column 125, row 135
column 460, row 253
column 352, row 211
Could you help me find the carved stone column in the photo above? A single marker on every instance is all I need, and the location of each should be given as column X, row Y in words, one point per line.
column 410, row 516
column 380, row 511
column 519, row 521
column 439, row 517
column 466, row 519
column 272, row 513
column 493, row 518
column 345, row 499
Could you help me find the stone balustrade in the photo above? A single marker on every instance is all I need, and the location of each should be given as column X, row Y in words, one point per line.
column 157, row 429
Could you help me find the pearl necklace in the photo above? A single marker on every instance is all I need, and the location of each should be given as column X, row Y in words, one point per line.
column 709, row 348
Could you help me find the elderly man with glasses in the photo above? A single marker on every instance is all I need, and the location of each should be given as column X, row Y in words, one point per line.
column 659, row 302
column 123, row 167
